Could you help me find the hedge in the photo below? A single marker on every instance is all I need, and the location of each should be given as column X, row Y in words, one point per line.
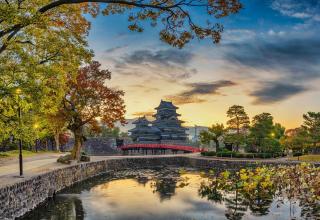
column 242, row 155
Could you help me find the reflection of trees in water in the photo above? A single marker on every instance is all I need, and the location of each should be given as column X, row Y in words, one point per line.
column 310, row 209
column 259, row 205
column 211, row 191
column 142, row 179
column 60, row 208
column 236, row 205
column 256, row 189
column 88, row 184
column 164, row 184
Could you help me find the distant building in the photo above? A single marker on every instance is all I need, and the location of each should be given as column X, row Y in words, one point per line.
column 194, row 132
column 166, row 128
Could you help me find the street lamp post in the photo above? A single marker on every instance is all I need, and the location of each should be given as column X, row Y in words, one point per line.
column 18, row 91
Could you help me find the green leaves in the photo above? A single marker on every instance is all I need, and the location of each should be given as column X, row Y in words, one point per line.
column 257, row 188
column 38, row 59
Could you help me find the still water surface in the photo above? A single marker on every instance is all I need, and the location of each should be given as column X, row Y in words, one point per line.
column 157, row 195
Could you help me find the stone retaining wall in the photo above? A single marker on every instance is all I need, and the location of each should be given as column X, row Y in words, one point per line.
column 19, row 198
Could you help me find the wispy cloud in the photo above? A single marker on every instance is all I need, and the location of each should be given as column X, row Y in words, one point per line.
column 146, row 113
column 292, row 59
column 301, row 9
column 182, row 100
column 167, row 57
column 272, row 92
column 169, row 64
column 145, row 87
column 116, row 49
column 195, row 91
column 288, row 64
column 210, row 88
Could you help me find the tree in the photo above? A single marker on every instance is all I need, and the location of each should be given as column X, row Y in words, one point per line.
column 18, row 19
column 87, row 99
column 110, row 132
column 103, row 131
column 213, row 133
column 278, row 131
column 56, row 124
column 295, row 139
column 37, row 62
column 311, row 124
column 238, row 122
column 261, row 130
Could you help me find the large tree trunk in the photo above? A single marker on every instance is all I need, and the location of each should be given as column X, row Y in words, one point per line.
column 57, row 141
column 78, row 141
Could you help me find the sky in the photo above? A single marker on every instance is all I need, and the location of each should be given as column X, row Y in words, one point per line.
column 267, row 61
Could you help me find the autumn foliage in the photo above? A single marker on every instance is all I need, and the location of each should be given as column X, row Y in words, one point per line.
column 90, row 101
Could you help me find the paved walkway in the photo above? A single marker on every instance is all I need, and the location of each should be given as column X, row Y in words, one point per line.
column 42, row 163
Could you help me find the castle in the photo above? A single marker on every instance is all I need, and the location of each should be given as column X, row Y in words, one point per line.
column 166, row 128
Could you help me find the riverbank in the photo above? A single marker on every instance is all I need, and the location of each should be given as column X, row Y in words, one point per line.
column 19, row 196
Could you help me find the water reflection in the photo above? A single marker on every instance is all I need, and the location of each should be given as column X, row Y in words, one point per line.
column 60, row 208
column 175, row 194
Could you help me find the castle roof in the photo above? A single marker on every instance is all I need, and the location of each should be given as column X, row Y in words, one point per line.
column 166, row 105
column 146, row 130
column 142, row 120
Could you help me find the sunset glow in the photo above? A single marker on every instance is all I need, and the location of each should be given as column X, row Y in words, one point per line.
column 267, row 61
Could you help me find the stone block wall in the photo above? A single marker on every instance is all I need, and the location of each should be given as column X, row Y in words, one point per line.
column 19, row 198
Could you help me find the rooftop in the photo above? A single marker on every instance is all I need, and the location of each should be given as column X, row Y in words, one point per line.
column 167, row 105
column 141, row 120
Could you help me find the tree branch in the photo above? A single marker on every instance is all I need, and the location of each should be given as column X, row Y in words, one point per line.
column 17, row 27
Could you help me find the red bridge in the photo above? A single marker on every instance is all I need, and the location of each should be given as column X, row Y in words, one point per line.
column 159, row 148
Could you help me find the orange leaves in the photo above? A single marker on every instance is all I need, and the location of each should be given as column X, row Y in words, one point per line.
column 59, row 23
column 89, row 100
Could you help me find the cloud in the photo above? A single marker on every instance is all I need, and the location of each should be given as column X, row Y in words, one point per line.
column 301, row 9
column 275, row 33
column 292, row 59
column 272, row 92
column 145, row 87
column 210, row 88
column 290, row 65
column 238, row 35
column 146, row 113
column 195, row 90
column 168, row 64
column 166, row 57
column 115, row 49
column 182, row 100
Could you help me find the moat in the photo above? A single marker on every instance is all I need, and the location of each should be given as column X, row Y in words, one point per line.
column 170, row 193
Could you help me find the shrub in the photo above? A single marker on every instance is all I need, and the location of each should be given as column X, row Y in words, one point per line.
column 297, row 154
column 66, row 159
column 208, row 153
column 226, row 153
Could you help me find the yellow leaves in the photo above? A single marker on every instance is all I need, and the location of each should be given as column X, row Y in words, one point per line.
column 225, row 174
column 243, row 176
column 263, row 184
column 182, row 171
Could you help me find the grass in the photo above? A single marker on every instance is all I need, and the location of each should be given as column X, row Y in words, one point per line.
column 308, row 158
column 15, row 153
